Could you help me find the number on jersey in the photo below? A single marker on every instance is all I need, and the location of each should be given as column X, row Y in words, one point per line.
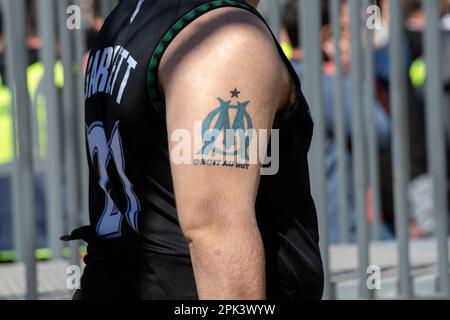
column 110, row 222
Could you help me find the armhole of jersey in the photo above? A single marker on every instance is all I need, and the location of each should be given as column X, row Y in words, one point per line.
column 155, row 97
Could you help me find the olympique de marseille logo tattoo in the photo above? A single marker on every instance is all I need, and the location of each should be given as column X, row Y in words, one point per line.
column 233, row 123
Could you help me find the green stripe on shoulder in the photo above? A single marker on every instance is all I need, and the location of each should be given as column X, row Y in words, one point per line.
column 152, row 79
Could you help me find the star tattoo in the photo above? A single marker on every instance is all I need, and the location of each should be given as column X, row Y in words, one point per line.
column 235, row 93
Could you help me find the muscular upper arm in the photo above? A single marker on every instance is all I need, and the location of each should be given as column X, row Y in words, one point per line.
column 223, row 71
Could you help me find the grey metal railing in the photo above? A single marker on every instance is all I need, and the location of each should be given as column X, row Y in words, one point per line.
column 66, row 169
column 69, row 114
column 366, row 170
column 310, row 28
column 15, row 14
column 436, row 139
column 372, row 138
column 46, row 23
column 400, row 146
column 339, row 125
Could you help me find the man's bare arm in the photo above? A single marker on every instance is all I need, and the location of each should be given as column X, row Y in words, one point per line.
column 222, row 71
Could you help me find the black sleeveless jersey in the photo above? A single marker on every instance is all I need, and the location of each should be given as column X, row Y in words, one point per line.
column 132, row 202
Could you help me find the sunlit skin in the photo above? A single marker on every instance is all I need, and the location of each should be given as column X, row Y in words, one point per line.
column 225, row 243
column 328, row 45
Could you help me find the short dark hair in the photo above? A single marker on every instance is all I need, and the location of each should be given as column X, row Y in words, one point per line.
column 325, row 12
column 32, row 28
column 412, row 6
column 291, row 22
column 96, row 8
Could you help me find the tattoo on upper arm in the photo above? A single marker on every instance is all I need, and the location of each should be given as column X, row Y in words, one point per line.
column 226, row 137
column 227, row 132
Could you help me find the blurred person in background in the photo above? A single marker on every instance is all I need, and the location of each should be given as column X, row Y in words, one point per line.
column 33, row 44
column 382, row 121
column 6, row 156
column 382, row 73
column 94, row 26
column 445, row 25
column 329, row 69
column 290, row 37
column 414, row 20
column 35, row 84
column 445, row 12
column 381, row 35
column 420, row 193
column 94, row 23
column 381, row 52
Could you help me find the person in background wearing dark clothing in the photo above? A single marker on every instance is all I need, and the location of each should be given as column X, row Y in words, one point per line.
column 420, row 189
column 290, row 22
column 290, row 33
column 95, row 26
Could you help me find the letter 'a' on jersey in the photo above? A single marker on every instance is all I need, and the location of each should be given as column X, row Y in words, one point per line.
column 136, row 246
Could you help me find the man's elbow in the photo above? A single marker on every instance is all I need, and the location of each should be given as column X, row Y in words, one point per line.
column 209, row 220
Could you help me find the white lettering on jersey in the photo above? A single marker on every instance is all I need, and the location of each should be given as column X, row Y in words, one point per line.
column 131, row 65
column 92, row 88
column 116, row 55
column 136, row 11
column 122, row 55
column 104, row 67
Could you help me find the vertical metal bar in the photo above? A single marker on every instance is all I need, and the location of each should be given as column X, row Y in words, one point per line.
column 18, row 242
column 15, row 14
column 275, row 18
column 339, row 124
column 436, row 137
column 106, row 6
column 263, row 7
column 69, row 125
column 271, row 11
column 46, row 24
column 311, row 17
column 17, row 239
column 80, row 51
column 358, row 150
column 400, row 142
column 372, row 137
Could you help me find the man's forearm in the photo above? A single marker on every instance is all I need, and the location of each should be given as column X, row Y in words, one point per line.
column 229, row 264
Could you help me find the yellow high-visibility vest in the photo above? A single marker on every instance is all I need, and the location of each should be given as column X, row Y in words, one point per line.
column 6, row 126
column 287, row 49
column 35, row 75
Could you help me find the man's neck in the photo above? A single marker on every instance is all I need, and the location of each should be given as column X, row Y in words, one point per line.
column 253, row 3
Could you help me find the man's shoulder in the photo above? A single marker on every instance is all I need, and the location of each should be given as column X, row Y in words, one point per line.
column 226, row 43
column 222, row 36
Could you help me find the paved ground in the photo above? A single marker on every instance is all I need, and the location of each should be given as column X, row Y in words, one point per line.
column 423, row 259
column 51, row 280
column 343, row 262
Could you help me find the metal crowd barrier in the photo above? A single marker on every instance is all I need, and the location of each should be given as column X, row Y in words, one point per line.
column 66, row 169
column 364, row 138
